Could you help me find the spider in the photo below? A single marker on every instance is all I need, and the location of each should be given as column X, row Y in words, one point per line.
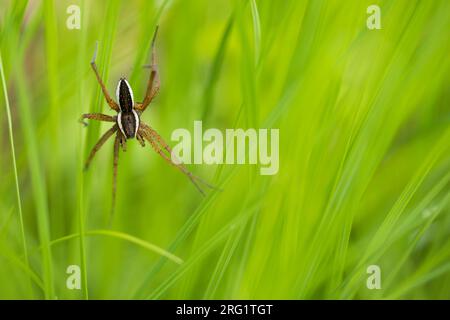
column 128, row 125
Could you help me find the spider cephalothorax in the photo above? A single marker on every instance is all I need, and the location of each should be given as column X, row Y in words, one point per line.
column 128, row 124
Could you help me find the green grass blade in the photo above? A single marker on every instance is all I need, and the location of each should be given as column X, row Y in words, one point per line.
column 82, row 64
column 182, row 234
column 215, row 69
column 15, row 260
column 38, row 181
column 256, row 31
column 206, row 248
column 13, row 155
column 123, row 236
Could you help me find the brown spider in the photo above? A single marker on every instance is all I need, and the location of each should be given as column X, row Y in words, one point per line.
column 127, row 123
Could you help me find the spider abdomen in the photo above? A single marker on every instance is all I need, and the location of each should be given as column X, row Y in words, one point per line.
column 127, row 119
column 128, row 122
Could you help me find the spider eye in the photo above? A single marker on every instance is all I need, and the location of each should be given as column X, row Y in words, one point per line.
column 124, row 95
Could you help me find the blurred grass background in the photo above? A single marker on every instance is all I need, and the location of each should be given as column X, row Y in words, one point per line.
column 364, row 179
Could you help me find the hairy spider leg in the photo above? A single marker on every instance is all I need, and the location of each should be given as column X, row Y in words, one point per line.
column 153, row 80
column 99, row 144
column 115, row 165
column 108, row 98
column 97, row 116
column 158, row 145
column 140, row 139
column 169, row 150
column 122, row 140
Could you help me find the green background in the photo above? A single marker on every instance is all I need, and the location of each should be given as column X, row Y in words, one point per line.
column 364, row 178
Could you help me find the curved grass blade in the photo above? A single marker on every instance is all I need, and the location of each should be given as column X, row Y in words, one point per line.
column 124, row 236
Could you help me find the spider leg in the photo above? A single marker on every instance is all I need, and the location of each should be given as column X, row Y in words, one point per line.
column 122, row 141
column 108, row 98
column 153, row 80
column 169, row 150
column 97, row 116
column 158, row 145
column 99, row 144
column 167, row 158
column 115, row 165
column 140, row 139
